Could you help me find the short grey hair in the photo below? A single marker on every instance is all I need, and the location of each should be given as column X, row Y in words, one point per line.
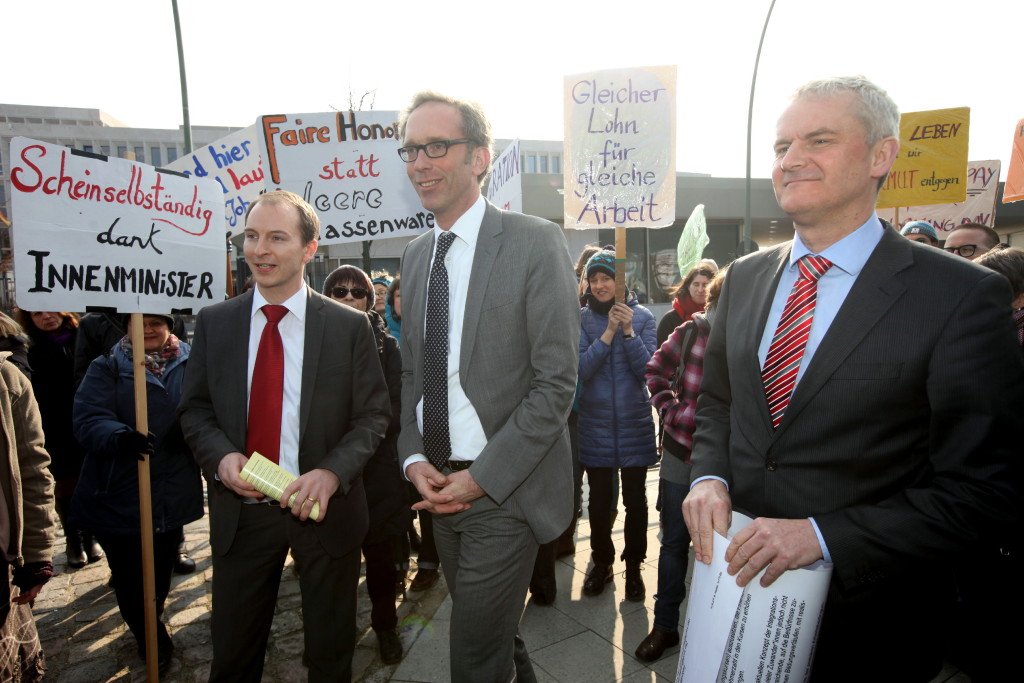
column 876, row 110
column 475, row 125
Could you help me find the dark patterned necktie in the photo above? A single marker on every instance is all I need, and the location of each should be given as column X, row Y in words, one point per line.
column 266, row 394
column 787, row 348
column 436, row 438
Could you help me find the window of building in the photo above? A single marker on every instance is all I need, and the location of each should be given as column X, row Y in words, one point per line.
column 105, row 149
column 87, row 148
column 122, row 151
column 556, row 163
column 172, row 154
column 154, row 156
column 543, row 164
column 531, row 163
column 140, row 154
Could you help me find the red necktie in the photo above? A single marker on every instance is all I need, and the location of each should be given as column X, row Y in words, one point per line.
column 787, row 348
column 266, row 395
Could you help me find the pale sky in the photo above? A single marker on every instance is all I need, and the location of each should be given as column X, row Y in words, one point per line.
column 245, row 59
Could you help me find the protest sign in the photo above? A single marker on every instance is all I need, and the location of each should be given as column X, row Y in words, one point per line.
column 234, row 162
column 931, row 167
column 1013, row 190
column 346, row 165
column 620, row 144
column 96, row 231
column 979, row 207
column 505, row 186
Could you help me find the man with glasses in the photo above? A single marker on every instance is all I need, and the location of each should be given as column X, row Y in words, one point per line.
column 971, row 240
column 487, row 384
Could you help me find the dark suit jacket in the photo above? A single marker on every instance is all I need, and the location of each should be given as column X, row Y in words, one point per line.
column 343, row 409
column 517, row 364
column 900, row 435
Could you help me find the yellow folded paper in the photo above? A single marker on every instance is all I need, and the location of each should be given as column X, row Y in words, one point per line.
column 271, row 480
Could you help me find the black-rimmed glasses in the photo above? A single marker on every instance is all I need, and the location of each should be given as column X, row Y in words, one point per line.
column 433, row 150
column 342, row 292
column 965, row 250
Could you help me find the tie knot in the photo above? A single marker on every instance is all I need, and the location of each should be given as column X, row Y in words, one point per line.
column 813, row 267
column 274, row 313
column 444, row 243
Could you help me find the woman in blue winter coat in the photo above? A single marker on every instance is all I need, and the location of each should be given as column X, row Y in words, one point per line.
column 616, row 428
column 106, row 501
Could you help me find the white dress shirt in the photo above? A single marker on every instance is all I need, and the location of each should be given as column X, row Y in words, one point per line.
column 293, row 336
column 466, row 432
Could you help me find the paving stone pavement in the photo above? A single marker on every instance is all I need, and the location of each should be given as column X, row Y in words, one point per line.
column 576, row 639
column 85, row 639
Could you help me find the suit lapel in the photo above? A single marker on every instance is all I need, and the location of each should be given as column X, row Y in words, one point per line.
column 311, row 349
column 487, row 246
column 762, row 288
column 236, row 364
column 873, row 294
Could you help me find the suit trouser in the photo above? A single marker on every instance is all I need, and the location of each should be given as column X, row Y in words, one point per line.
column 245, row 585
column 487, row 554
column 381, row 576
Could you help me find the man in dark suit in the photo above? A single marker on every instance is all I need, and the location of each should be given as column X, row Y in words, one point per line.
column 499, row 481
column 893, row 453
column 334, row 411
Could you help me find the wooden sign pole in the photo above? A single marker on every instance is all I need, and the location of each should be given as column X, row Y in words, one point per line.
column 620, row 264
column 145, row 499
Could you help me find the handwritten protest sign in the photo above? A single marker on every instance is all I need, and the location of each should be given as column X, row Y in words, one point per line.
column 505, row 186
column 1013, row 189
column 93, row 231
column 346, row 165
column 234, row 162
column 620, row 144
column 979, row 207
column 932, row 164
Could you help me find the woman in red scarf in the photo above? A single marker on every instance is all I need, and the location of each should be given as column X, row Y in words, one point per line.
column 688, row 298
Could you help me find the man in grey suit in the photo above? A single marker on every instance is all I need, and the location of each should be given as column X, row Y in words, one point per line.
column 333, row 411
column 488, row 375
column 893, row 453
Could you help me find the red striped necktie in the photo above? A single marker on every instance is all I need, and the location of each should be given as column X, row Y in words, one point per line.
column 787, row 348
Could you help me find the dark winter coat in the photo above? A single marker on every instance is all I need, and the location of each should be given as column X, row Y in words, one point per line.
column 386, row 492
column 53, row 382
column 616, row 428
column 107, row 497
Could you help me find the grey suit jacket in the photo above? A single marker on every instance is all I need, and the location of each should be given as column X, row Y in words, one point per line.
column 517, row 366
column 900, row 435
column 344, row 409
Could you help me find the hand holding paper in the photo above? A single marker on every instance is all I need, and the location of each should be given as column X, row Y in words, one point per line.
column 707, row 510
column 275, row 482
column 774, row 545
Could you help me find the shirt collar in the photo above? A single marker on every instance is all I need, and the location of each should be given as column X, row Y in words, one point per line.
column 296, row 303
column 848, row 254
column 467, row 227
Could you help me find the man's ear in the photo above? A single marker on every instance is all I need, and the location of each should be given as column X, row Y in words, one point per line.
column 481, row 160
column 883, row 156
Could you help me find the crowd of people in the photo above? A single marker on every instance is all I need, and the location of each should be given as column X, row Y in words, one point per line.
column 783, row 385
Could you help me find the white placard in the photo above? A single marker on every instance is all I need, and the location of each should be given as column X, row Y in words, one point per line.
column 346, row 165
column 234, row 162
column 505, row 186
column 92, row 231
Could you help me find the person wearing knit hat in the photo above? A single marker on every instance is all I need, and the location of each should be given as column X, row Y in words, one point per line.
column 920, row 231
column 616, row 430
column 381, row 284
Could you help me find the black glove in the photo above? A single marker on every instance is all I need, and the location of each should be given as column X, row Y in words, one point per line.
column 132, row 444
column 31, row 575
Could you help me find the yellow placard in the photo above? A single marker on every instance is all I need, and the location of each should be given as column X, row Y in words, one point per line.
column 1013, row 191
column 932, row 164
